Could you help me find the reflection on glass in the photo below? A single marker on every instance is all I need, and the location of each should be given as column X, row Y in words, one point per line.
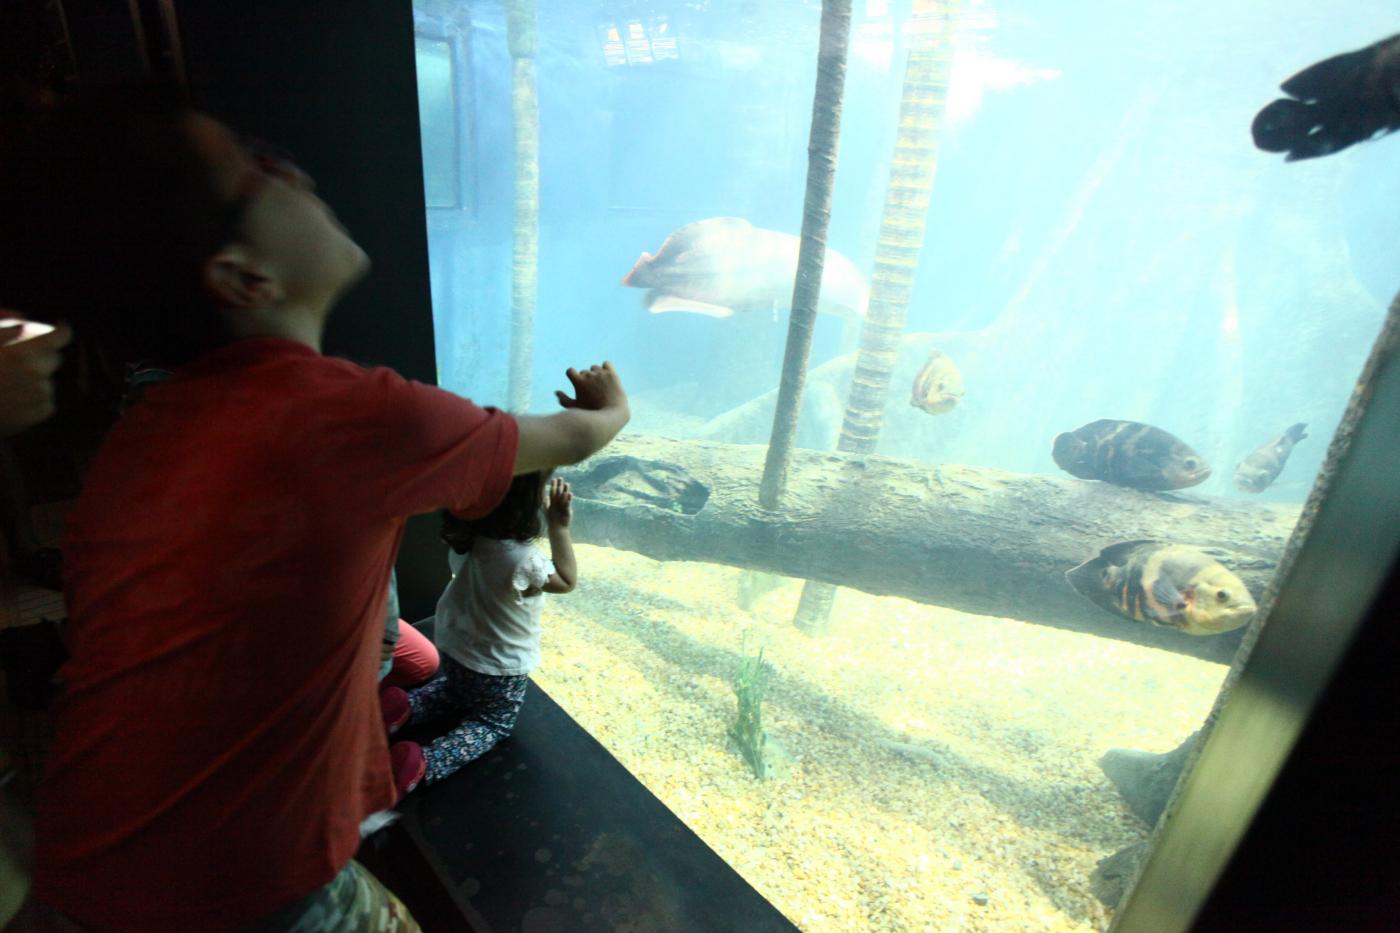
column 1129, row 335
column 437, row 114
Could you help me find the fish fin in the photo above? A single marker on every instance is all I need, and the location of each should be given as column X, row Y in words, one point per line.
column 1324, row 78
column 1296, row 432
column 661, row 302
column 642, row 262
column 1166, row 595
column 1117, row 554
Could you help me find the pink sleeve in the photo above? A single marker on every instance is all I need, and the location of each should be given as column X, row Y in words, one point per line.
column 439, row 450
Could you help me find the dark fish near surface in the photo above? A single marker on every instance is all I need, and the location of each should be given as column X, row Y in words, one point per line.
column 1258, row 471
column 1129, row 453
column 939, row 385
column 1345, row 99
column 725, row 264
column 1170, row 585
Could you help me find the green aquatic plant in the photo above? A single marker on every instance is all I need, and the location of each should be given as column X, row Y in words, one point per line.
column 747, row 730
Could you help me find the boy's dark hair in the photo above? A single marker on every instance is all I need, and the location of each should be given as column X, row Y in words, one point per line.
column 517, row 518
column 107, row 211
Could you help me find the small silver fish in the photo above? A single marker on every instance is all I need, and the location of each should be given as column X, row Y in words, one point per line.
column 1259, row 470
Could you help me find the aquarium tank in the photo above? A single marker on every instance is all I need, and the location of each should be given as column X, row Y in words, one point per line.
column 1108, row 340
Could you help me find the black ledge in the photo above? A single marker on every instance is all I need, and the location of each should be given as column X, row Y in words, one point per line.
column 550, row 834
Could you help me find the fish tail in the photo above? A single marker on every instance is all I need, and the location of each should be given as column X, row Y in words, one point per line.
column 631, row 278
column 1295, row 433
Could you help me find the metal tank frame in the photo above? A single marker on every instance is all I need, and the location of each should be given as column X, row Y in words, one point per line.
column 1334, row 570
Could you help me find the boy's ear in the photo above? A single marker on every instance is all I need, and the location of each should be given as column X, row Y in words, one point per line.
column 231, row 276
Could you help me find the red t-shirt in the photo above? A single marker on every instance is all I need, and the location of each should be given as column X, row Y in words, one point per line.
column 219, row 739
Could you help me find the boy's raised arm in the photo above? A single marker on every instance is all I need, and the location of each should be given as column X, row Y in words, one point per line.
column 593, row 417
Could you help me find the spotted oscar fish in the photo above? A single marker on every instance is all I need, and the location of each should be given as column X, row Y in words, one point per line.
column 1259, row 470
column 939, row 385
column 1170, row 585
column 1129, row 453
column 1336, row 103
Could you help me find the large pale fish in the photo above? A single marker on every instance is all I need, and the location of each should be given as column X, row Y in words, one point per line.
column 726, row 264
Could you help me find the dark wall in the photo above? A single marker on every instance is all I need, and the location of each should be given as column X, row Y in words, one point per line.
column 1322, row 852
column 334, row 83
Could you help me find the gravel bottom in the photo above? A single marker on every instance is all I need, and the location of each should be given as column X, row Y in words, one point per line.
column 943, row 772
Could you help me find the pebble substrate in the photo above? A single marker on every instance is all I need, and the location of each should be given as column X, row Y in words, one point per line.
column 943, row 771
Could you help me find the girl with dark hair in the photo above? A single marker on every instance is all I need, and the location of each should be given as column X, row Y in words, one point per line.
column 488, row 626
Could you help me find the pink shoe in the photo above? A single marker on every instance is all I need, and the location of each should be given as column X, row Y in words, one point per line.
column 393, row 703
column 407, row 761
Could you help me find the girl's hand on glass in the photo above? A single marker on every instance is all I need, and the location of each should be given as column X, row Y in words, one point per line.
column 558, row 506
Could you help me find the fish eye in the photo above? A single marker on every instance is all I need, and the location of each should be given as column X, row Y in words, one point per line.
column 940, row 387
column 1222, row 595
column 1191, row 463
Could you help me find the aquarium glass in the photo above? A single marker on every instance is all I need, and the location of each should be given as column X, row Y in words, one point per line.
column 959, row 745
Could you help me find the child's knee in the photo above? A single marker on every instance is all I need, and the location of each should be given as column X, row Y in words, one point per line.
column 416, row 658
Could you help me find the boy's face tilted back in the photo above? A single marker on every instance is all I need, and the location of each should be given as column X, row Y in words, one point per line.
column 288, row 251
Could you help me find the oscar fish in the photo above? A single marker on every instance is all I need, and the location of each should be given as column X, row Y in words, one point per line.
column 1169, row 585
column 1336, row 103
column 1258, row 471
column 722, row 265
column 939, row 385
column 1129, row 453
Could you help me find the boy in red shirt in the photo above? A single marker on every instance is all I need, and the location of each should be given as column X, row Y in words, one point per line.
column 219, row 739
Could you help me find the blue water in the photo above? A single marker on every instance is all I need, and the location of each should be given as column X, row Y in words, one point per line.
column 1104, row 240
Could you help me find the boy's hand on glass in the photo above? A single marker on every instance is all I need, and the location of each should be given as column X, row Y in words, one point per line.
column 595, row 388
column 558, row 508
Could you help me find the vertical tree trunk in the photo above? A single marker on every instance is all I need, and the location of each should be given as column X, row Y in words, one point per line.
column 912, row 169
column 520, row 36
column 811, row 258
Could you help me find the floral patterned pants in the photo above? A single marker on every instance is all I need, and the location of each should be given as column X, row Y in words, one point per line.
column 484, row 705
column 353, row 902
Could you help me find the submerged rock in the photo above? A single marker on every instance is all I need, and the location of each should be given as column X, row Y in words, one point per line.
column 1146, row 779
column 1111, row 879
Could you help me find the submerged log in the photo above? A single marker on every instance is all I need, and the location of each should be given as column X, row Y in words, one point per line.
column 971, row 538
